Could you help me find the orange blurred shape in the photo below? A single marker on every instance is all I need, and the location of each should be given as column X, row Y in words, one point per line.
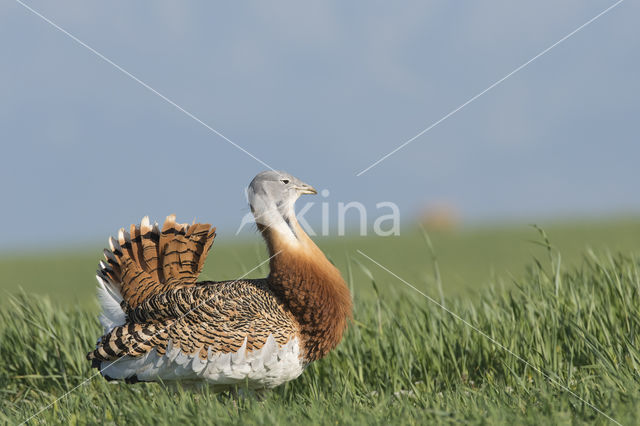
column 439, row 217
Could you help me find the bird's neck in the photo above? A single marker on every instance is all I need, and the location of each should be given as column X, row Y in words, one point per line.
column 310, row 286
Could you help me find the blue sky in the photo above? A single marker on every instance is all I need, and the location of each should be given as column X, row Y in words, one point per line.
column 320, row 90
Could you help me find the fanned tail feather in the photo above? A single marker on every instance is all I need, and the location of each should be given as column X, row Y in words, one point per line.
column 144, row 262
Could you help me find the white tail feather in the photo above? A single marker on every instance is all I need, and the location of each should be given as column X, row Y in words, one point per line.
column 112, row 314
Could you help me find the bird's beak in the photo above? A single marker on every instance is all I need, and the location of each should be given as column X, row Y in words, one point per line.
column 306, row 189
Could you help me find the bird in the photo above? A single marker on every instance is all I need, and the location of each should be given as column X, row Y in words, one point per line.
column 161, row 324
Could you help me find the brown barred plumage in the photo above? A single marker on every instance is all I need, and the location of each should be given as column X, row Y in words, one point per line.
column 210, row 316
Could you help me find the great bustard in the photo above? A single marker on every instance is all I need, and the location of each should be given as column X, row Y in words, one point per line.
column 160, row 324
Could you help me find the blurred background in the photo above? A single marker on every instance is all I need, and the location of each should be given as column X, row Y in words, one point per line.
column 322, row 91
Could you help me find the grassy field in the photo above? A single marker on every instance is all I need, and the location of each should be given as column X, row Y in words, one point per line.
column 468, row 259
column 539, row 335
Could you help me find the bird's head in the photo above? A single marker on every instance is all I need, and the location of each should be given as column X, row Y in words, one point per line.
column 272, row 195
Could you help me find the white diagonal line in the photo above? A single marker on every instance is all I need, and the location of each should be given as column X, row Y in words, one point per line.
column 137, row 80
column 381, row 159
column 162, row 330
column 494, row 341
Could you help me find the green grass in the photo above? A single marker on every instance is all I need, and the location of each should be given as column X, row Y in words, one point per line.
column 404, row 359
column 469, row 260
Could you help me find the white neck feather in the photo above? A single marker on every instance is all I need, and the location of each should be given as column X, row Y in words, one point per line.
column 278, row 216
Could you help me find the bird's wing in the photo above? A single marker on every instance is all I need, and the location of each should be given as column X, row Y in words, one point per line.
column 205, row 320
column 146, row 261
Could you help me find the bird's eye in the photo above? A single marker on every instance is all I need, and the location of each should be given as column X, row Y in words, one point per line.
column 285, row 181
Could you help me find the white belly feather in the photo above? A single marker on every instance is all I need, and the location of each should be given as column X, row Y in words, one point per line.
column 266, row 367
